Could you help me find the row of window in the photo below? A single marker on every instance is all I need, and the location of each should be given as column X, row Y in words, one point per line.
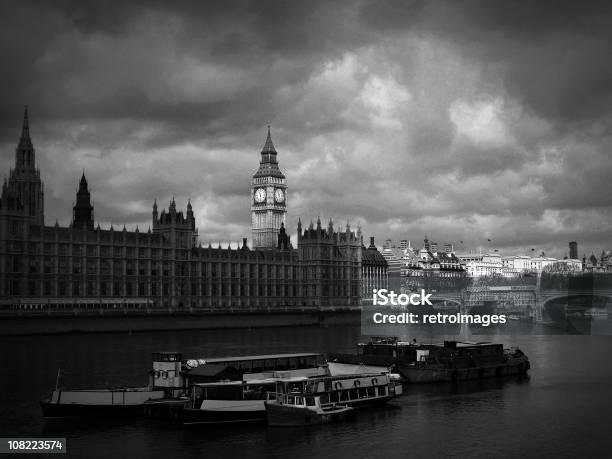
column 141, row 289
column 65, row 265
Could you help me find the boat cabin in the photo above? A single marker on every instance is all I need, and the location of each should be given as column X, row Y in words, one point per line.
column 166, row 372
column 456, row 353
column 334, row 389
column 260, row 366
column 229, row 391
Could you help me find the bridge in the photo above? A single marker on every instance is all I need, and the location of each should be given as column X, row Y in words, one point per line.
column 528, row 301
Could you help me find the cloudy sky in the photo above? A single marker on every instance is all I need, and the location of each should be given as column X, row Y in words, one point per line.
column 462, row 120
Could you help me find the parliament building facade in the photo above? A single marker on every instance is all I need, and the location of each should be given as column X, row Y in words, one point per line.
column 83, row 266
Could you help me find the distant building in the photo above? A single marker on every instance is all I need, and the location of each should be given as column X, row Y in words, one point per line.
column 394, row 267
column 374, row 271
column 573, row 250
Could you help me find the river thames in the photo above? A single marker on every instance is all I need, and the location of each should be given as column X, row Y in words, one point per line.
column 563, row 409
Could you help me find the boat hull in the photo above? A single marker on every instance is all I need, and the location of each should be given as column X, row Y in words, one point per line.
column 190, row 416
column 421, row 374
column 60, row 410
column 292, row 416
column 97, row 402
column 224, row 412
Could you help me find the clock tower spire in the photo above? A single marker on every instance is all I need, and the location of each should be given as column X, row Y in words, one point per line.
column 268, row 198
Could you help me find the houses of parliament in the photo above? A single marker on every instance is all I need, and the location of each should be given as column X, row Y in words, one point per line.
column 84, row 266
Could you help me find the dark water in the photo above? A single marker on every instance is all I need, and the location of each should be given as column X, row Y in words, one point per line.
column 564, row 409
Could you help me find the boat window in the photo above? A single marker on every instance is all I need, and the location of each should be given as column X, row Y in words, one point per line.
column 344, row 395
column 244, row 365
column 325, row 398
column 299, row 401
column 310, row 401
column 371, row 392
column 291, row 400
column 282, row 364
column 198, row 393
column 256, row 391
column 363, row 393
column 353, row 394
column 224, row 392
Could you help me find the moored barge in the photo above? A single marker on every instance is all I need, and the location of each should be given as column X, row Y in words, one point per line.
column 447, row 361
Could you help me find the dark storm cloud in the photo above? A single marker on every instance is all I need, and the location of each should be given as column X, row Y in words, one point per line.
column 555, row 53
column 464, row 120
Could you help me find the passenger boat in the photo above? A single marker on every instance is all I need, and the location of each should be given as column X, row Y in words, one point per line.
column 237, row 401
column 300, row 410
column 300, row 401
column 228, row 401
column 447, row 361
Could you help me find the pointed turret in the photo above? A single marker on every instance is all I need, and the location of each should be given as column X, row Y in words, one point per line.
column 269, row 146
column 24, row 155
column 268, row 165
column 83, row 210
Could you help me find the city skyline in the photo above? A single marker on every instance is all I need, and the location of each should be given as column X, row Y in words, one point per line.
column 438, row 121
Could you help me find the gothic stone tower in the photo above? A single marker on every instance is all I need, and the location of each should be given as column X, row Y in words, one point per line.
column 82, row 212
column 331, row 264
column 23, row 194
column 268, row 199
column 177, row 228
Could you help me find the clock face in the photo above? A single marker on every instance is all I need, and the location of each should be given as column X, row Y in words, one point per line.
column 279, row 195
column 260, row 195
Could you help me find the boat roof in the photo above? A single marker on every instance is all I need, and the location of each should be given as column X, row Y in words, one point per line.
column 323, row 377
column 212, row 369
column 261, row 357
column 418, row 344
column 237, row 383
column 289, row 379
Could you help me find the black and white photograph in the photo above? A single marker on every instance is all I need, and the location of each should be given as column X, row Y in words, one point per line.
column 306, row 229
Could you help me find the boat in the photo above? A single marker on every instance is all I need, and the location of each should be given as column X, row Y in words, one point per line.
column 299, row 401
column 299, row 410
column 447, row 361
column 227, row 401
column 98, row 402
column 117, row 401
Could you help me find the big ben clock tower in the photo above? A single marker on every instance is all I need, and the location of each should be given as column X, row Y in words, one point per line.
column 268, row 199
